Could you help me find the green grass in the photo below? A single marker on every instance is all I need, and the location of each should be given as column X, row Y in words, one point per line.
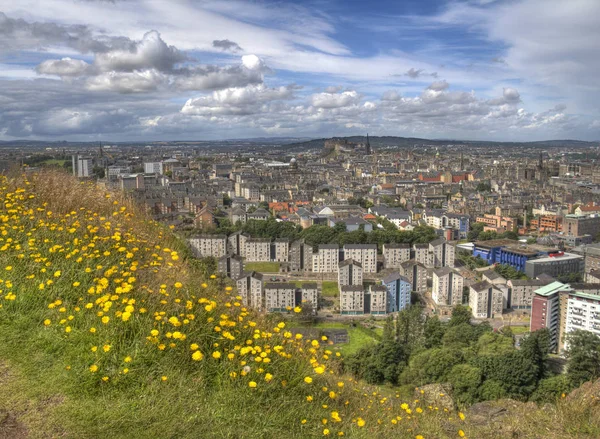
column 518, row 330
column 262, row 267
column 329, row 288
column 52, row 162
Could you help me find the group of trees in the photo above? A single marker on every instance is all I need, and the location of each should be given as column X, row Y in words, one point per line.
column 508, row 272
column 477, row 234
column 323, row 234
column 478, row 363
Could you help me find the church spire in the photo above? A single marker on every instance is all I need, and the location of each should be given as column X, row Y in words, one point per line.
column 368, row 146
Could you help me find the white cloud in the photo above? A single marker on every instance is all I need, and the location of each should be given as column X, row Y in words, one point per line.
column 237, row 100
column 438, row 85
column 127, row 82
column 151, row 52
column 335, row 100
column 63, row 67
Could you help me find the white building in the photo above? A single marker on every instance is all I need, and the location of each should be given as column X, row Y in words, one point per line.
column 153, row 168
column 209, row 245
column 583, row 312
column 447, row 287
column 326, row 260
column 310, row 294
column 378, row 295
column 250, row 288
column 350, row 272
column 257, row 249
column 366, row 254
column 395, row 254
column 82, row 166
column 280, row 297
column 486, row 300
column 352, row 300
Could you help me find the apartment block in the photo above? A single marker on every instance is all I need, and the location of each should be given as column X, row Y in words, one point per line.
column 521, row 292
column 236, row 243
column 258, row 249
column 416, row 273
column 280, row 297
column 546, row 312
column 209, row 245
column 250, row 288
column 326, row 260
column 378, row 299
column 352, row 300
column 281, row 250
column 366, row 254
column 583, row 313
column 395, row 254
column 300, row 256
column 447, row 287
column 231, row 266
column 350, row 272
column 399, row 292
column 441, row 253
column 486, row 300
column 309, row 293
column 421, row 254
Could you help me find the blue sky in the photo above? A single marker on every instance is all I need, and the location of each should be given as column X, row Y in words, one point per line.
column 155, row 69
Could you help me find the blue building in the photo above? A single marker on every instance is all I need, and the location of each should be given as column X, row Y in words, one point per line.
column 505, row 251
column 399, row 289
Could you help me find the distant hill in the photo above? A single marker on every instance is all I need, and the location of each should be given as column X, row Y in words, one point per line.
column 406, row 142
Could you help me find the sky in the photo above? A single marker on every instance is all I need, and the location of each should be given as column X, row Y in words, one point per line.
column 137, row 70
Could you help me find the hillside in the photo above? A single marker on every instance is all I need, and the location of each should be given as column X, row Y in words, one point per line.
column 108, row 328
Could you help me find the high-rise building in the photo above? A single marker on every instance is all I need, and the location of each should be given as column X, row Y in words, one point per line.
column 82, row 166
column 350, row 272
column 447, row 287
column 399, row 292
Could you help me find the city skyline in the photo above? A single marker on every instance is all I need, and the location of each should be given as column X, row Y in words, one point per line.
column 144, row 70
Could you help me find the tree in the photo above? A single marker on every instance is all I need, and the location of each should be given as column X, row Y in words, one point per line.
column 98, row 171
column 465, row 380
column 536, row 347
column 583, row 357
column 340, row 227
column 433, row 332
column 550, row 389
column 493, row 343
column 430, row 366
column 484, row 187
column 515, row 372
column 409, row 327
column 510, row 235
column 460, row 314
column 491, row 390
column 487, row 236
column 476, row 229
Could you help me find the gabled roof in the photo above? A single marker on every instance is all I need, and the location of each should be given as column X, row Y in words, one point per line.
column 480, row 286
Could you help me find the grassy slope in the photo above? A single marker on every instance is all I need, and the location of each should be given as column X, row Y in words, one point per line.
column 262, row 267
column 47, row 388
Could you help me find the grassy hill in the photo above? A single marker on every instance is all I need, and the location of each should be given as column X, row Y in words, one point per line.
column 109, row 329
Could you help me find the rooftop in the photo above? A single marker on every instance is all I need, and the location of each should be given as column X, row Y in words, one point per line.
column 565, row 257
column 552, row 288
